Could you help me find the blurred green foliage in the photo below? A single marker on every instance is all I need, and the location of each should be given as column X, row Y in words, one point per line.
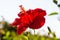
column 10, row 34
column 55, row 1
column 59, row 5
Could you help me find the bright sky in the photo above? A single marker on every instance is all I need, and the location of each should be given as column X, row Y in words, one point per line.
column 10, row 8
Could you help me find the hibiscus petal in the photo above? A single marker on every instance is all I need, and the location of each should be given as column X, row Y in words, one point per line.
column 21, row 28
column 40, row 11
column 43, row 13
column 24, row 19
column 16, row 22
column 20, row 13
column 37, row 23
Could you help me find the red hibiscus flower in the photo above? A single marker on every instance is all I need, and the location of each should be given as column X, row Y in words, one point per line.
column 33, row 19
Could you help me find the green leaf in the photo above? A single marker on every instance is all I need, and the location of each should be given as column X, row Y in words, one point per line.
column 15, row 38
column 53, row 13
column 55, row 1
column 8, row 33
column 54, row 35
column 58, row 5
column 25, row 37
column 49, row 29
column 35, row 37
column 42, row 38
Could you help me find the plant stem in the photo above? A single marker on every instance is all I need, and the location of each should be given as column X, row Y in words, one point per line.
column 34, row 31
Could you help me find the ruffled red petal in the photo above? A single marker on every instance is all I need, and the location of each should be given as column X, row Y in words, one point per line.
column 16, row 22
column 40, row 11
column 38, row 22
column 24, row 19
column 21, row 28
